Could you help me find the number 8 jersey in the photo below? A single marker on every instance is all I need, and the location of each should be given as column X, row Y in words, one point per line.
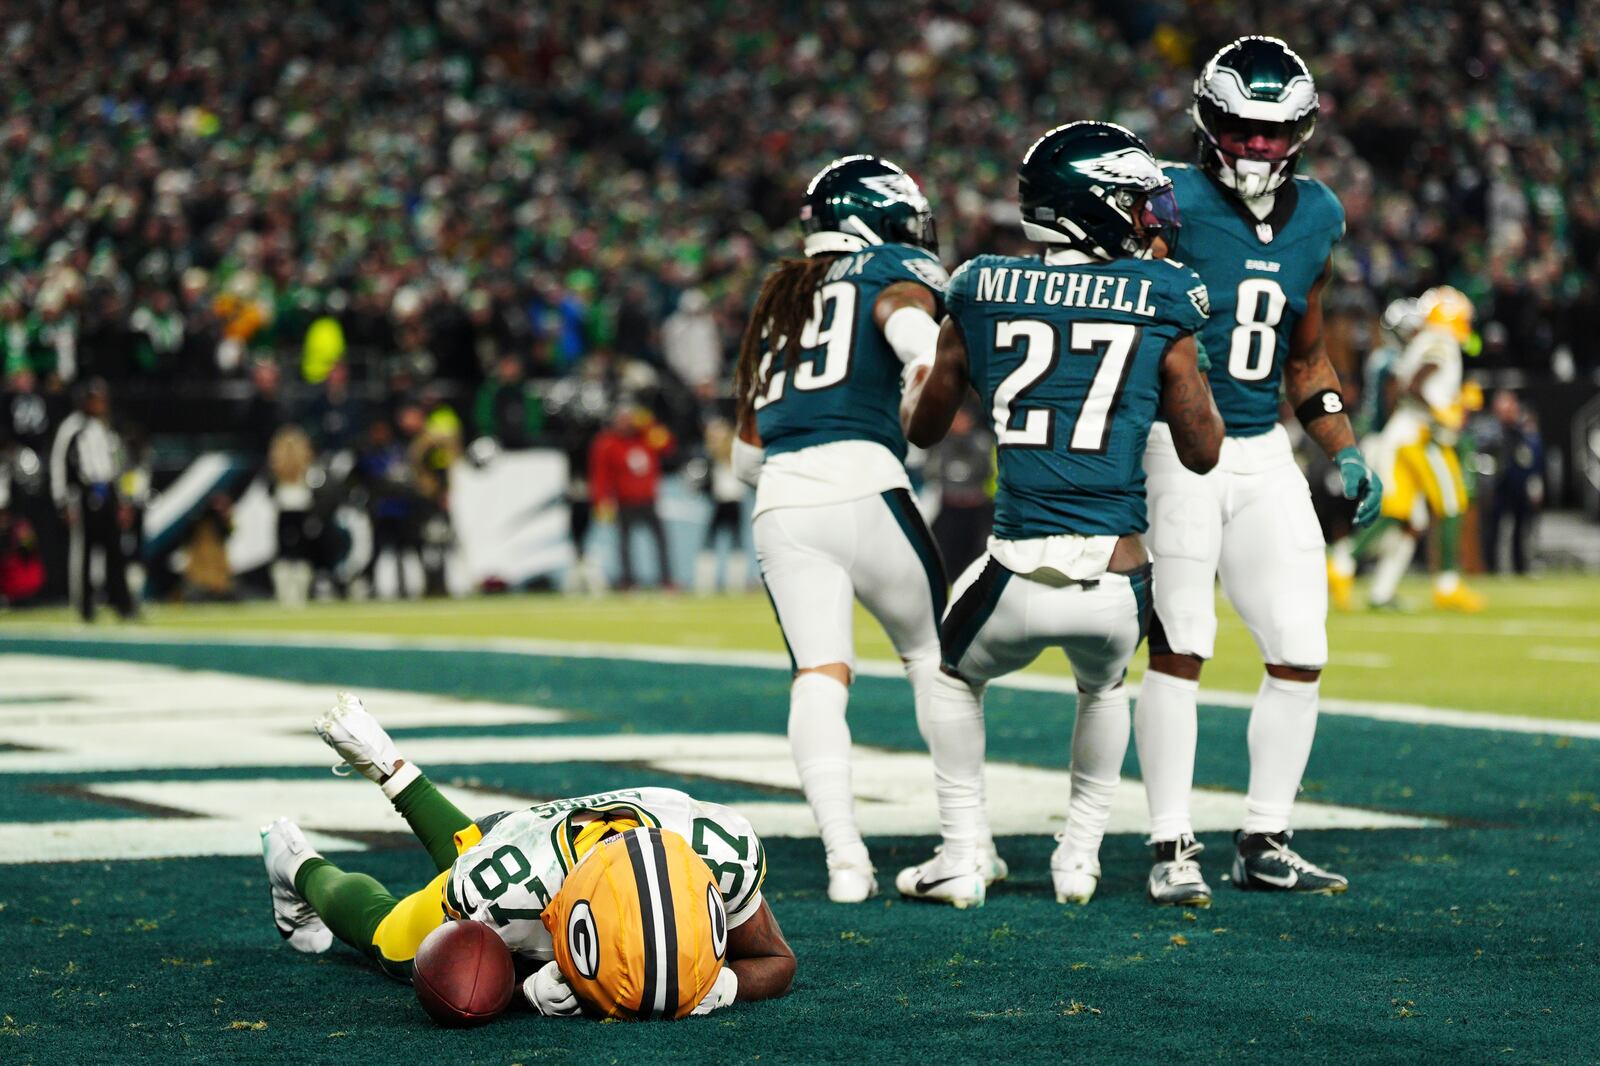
column 1068, row 360
column 508, row 877
column 1259, row 273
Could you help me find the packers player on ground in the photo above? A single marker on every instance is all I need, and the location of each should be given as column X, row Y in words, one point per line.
column 818, row 386
column 690, row 873
column 1074, row 354
column 1260, row 238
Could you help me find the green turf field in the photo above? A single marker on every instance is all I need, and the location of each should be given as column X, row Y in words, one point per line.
column 1470, row 931
column 1534, row 651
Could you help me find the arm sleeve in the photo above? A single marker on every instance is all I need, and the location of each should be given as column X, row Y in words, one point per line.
column 1189, row 303
column 59, row 464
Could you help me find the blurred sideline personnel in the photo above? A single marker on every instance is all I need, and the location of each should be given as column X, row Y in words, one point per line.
column 86, row 463
column 818, row 385
column 536, row 875
column 1260, row 238
column 1074, row 355
column 1417, row 456
column 624, row 481
column 1516, row 479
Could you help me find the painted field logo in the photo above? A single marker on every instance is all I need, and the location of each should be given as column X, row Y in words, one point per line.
column 143, row 761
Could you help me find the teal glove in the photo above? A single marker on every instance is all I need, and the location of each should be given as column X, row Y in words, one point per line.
column 1361, row 484
column 1202, row 358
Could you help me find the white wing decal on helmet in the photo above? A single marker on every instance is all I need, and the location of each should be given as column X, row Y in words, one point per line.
column 1123, row 167
column 897, row 188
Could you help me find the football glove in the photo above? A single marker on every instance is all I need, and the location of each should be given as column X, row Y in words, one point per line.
column 549, row 993
column 1361, row 484
column 723, row 992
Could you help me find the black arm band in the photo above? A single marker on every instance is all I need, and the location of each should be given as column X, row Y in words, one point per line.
column 1320, row 405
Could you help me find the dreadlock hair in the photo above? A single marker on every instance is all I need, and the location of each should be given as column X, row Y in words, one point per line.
column 779, row 317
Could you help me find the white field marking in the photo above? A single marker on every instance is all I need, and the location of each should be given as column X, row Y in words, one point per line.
column 181, row 719
column 1551, row 653
column 1413, row 713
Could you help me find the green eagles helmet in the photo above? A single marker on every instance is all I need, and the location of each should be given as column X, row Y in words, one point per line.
column 1254, row 84
column 1094, row 187
column 861, row 200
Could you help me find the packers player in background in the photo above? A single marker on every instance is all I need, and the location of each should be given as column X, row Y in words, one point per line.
column 1260, row 238
column 818, row 387
column 1417, row 453
column 1074, row 355
column 533, row 875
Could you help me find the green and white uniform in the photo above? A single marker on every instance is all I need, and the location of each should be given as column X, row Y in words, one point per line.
column 508, row 878
column 1250, row 520
column 834, row 517
column 1066, row 354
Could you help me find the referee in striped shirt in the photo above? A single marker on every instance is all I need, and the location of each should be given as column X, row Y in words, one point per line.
column 86, row 462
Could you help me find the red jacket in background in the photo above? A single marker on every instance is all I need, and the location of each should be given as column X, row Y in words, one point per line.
column 627, row 467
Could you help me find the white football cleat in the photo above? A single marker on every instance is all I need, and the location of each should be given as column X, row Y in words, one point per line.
column 994, row 868
column 349, row 729
column 1074, row 875
column 941, row 881
column 285, row 849
column 851, row 883
column 1175, row 878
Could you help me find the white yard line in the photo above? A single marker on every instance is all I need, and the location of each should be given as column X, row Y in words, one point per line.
column 1379, row 710
column 1551, row 653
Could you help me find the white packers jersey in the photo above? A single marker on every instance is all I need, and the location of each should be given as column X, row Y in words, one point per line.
column 508, row 878
column 1430, row 347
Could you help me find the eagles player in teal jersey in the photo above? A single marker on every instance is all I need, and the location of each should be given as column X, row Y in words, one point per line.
column 1261, row 239
column 818, row 387
column 1074, row 354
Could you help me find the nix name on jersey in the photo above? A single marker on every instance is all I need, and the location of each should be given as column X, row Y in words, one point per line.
column 818, row 386
column 1073, row 354
column 698, row 867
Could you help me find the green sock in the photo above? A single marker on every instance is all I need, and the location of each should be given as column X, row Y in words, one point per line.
column 434, row 819
column 352, row 905
column 1366, row 538
column 1450, row 543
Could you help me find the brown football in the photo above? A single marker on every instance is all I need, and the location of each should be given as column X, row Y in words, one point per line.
column 463, row 974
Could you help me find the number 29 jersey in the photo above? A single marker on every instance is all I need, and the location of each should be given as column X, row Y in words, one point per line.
column 1067, row 358
column 508, row 877
column 846, row 385
column 1259, row 273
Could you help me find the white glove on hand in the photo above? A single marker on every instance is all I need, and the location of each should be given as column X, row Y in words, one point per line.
column 549, row 993
column 723, row 992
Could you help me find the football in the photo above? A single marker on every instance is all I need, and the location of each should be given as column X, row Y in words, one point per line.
column 463, row 974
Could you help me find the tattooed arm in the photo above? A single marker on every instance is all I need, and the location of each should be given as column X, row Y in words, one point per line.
column 1187, row 406
column 1307, row 372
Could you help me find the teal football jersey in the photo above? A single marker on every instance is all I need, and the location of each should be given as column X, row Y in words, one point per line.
column 846, row 385
column 1259, row 275
column 1068, row 360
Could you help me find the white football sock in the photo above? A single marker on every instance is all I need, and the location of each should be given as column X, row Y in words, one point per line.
column 1165, row 725
column 1099, row 743
column 1394, row 558
column 1446, row 581
column 820, row 740
column 952, row 726
column 1283, row 723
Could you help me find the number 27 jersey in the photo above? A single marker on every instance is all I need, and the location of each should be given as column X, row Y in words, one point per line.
column 508, row 878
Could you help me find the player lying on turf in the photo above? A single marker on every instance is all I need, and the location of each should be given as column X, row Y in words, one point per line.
column 509, row 869
column 1076, row 354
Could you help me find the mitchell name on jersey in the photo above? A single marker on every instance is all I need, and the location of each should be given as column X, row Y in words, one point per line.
column 1059, row 287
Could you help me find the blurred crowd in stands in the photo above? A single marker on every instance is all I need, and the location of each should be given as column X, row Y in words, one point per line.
column 402, row 225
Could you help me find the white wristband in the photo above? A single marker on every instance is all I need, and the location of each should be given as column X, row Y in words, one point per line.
column 747, row 460
column 913, row 334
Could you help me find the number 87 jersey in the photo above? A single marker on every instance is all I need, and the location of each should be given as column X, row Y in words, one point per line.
column 1259, row 273
column 508, row 877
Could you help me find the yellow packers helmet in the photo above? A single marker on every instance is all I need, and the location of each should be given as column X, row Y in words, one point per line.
column 639, row 926
column 1447, row 309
